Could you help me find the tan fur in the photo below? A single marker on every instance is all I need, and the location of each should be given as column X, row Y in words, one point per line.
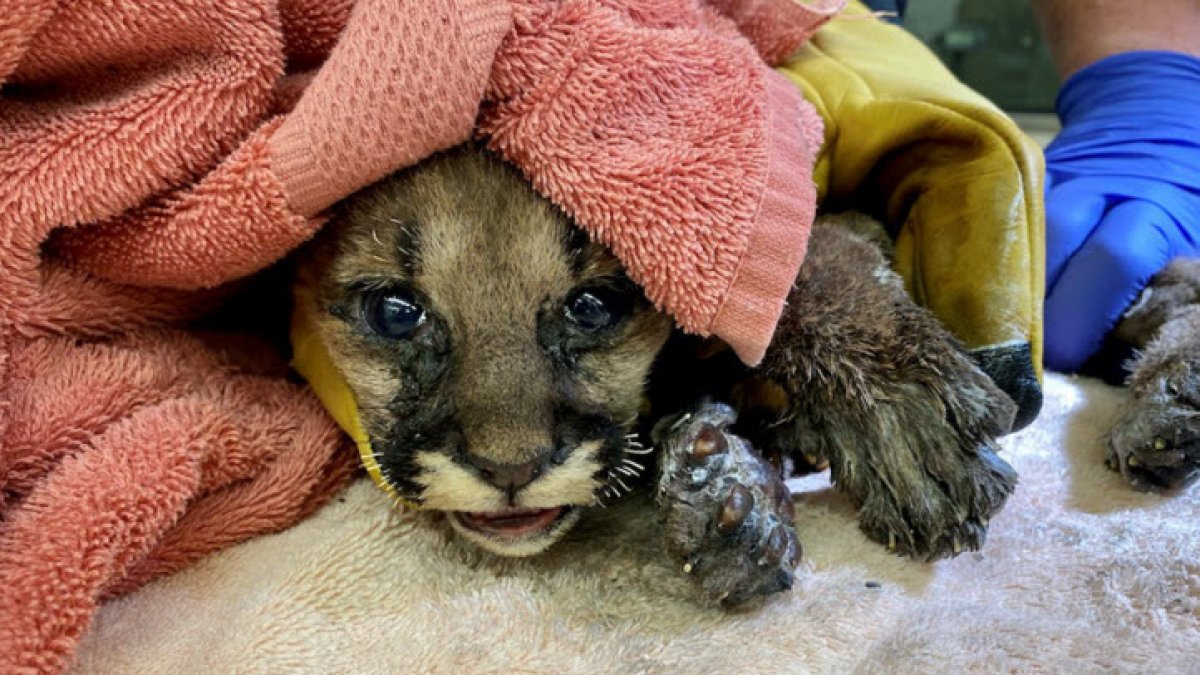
column 570, row 483
column 489, row 258
column 450, row 487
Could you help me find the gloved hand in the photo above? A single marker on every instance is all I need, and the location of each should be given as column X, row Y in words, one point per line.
column 1123, row 193
column 954, row 178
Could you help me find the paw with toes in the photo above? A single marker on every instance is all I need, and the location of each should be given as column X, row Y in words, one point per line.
column 875, row 385
column 727, row 515
column 930, row 516
column 1156, row 445
column 1156, row 442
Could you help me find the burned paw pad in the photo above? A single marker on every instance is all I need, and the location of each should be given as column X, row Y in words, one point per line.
column 727, row 513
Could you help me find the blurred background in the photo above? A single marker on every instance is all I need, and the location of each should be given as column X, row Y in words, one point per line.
column 995, row 47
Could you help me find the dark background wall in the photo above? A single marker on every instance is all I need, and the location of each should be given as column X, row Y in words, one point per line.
column 992, row 45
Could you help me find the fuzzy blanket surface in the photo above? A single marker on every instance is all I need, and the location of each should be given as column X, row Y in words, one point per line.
column 1080, row 574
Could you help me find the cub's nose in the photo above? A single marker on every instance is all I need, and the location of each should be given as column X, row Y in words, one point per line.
column 509, row 477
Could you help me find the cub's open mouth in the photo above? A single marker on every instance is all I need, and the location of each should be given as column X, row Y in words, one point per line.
column 512, row 523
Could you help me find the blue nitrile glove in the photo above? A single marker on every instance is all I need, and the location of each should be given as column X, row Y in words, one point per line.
column 1122, row 193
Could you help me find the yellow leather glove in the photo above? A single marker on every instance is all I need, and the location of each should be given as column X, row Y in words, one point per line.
column 311, row 359
column 957, row 182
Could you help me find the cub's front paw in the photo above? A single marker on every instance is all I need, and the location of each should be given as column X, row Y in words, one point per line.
column 876, row 385
column 726, row 512
column 1156, row 442
column 1156, row 445
column 938, row 509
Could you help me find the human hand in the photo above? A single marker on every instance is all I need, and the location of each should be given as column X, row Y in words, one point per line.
column 1122, row 193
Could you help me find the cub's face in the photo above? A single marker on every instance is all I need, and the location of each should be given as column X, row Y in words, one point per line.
column 498, row 358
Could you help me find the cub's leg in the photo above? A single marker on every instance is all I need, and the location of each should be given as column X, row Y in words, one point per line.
column 863, row 378
column 726, row 513
column 1156, row 442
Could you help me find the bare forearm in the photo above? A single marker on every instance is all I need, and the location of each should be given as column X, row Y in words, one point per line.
column 1080, row 32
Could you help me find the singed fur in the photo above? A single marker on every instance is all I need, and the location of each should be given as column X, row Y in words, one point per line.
column 1156, row 442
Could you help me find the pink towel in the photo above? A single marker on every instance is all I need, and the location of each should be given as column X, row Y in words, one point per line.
column 151, row 152
column 662, row 131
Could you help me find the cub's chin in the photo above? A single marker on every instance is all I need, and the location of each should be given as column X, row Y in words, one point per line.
column 515, row 532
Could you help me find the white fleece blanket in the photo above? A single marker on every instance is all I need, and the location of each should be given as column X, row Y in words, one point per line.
column 1080, row 574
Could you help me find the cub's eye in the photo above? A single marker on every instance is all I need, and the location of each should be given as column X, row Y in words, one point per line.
column 594, row 309
column 393, row 314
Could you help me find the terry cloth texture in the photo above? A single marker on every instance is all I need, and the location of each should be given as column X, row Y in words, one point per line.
column 1080, row 574
column 663, row 132
column 136, row 171
column 153, row 152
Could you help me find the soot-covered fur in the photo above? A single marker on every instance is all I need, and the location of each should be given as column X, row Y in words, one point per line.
column 1156, row 442
column 496, row 400
column 505, row 365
